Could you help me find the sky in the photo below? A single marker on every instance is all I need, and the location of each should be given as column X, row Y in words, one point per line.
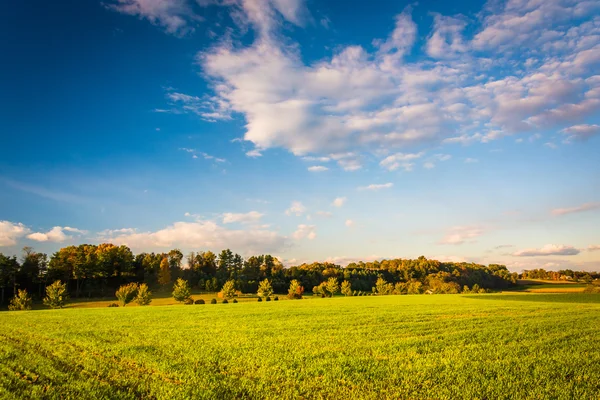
column 313, row 131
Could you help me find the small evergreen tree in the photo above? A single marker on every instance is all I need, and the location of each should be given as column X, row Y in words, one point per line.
column 228, row 289
column 144, row 295
column 332, row 286
column 346, row 288
column 22, row 301
column 126, row 293
column 164, row 274
column 265, row 289
column 56, row 295
column 296, row 290
column 181, row 290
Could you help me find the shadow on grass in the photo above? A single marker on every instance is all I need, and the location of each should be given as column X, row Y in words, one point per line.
column 543, row 298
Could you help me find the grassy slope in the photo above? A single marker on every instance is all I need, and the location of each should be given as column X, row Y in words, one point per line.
column 447, row 346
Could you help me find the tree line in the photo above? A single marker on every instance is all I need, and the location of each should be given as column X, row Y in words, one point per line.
column 98, row 270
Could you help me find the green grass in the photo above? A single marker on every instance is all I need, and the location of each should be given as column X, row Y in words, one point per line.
column 501, row 346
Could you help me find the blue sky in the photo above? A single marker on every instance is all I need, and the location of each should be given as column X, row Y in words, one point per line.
column 310, row 130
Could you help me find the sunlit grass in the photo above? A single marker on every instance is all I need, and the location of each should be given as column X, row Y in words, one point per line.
column 442, row 347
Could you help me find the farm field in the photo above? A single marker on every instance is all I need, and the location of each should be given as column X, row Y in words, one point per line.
column 513, row 345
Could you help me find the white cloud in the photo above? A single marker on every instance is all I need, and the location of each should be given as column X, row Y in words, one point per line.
column 548, row 250
column 593, row 247
column 296, row 208
column 395, row 161
column 254, row 153
column 195, row 153
column 305, row 231
column 10, row 232
column 324, row 214
column 376, row 186
column 349, row 223
column 581, row 132
column 175, row 16
column 429, row 165
column 471, row 160
column 318, row 168
column 577, row 209
column 201, row 235
column 339, row 201
column 242, row 218
column 55, row 235
column 461, row 234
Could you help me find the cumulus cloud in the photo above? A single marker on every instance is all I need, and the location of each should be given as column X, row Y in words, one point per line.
column 56, row 234
column 200, row 235
column 296, row 208
column 376, row 186
column 339, row 201
column 577, row 209
column 461, row 234
column 318, row 168
column 548, row 250
column 10, row 232
column 242, row 218
column 305, row 231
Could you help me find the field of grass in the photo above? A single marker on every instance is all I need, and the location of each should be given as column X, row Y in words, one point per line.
column 545, row 286
column 498, row 346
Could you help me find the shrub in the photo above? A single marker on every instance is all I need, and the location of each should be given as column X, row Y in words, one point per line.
column 265, row 289
column 213, row 301
column 113, row 305
column 22, row 301
column 127, row 293
column 56, row 295
column 225, row 301
column 188, row 301
column 259, row 299
column 332, row 286
column 267, row 298
column 234, row 301
column 382, row 287
column 296, row 290
column 181, row 290
column 591, row 289
column 355, row 293
column 144, row 295
column 199, row 301
column 276, row 298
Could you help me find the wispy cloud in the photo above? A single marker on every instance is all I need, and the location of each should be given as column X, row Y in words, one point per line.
column 243, row 218
column 548, row 250
column 577, row 209
column 318, row 168
column 339, row 201
column 296, row 208
column 376, row 186
column 305, row 232
column 461, row 234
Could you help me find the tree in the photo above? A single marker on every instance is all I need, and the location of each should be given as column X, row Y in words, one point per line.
column 332, row 286
column 144, row 295
column 22, row 301
column 296, row 290
column 164, row 275
column 56, row 295
column 346, row 288
column 228, row 289
column 382, row 287
column 181, row 290
column 126, row 293
column 9, row 267
column 265, row 288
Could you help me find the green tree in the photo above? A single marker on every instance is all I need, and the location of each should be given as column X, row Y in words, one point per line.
column 181, row 290
column 228, row 289
column 296, row 290
column 144, row 295
column 382, row 287
column 164, row 274
column 346, row 288
column 265, row 289
column 126, row 293
column 9, row 267
column 22, row 301
column 56, row 295
column 332, row 286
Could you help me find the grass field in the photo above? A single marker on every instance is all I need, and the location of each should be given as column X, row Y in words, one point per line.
column 497, row 346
